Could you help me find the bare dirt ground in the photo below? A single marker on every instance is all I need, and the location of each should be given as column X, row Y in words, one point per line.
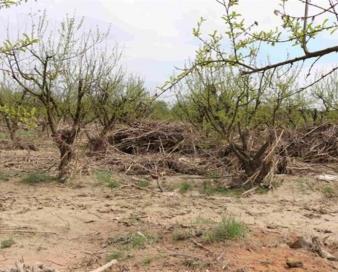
column 81, row 225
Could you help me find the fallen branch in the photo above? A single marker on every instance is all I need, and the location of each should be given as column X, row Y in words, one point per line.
column 105, row 267
column 200, row 246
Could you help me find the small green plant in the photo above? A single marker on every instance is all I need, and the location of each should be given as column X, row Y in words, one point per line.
column 228, row 229
column 143, row 183
column 106, row 177
column 263, row 190
column 147, row 261
column 25, row 134
column 116, row 255
column 329, row 192
column 133, row 240
column 140, row 240
column 4, row 177
column 181, row 234
column 185, row 187
column 7, row 243
column 37, row 177
column 195, row 263
column 211, row 189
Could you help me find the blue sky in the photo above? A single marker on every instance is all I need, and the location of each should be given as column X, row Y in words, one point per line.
column 156, row 35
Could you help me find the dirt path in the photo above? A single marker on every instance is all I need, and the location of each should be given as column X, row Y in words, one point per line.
column 76, row 227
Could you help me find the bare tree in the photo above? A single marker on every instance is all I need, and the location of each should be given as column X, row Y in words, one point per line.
column 248, row 41
column 60, row 71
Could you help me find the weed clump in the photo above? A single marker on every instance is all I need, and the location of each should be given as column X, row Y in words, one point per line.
column 7, row 243
column 329, row 192
column 137, row 240
column 228, row 229
column 37, row 178
column 116, row 255
column 106, row 177
column 143, row 183
column 185, row 187
column 215, row 188
column 4, row 177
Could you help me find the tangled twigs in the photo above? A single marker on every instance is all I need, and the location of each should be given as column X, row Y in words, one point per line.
column 316, row 144
column 20, row 266
column 105, row 267
column 154, row 137
column 257, row 164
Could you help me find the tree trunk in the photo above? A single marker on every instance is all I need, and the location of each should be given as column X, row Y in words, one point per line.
column 255, row 164
column 99, row 144
column 12, row 129
column 65, row 140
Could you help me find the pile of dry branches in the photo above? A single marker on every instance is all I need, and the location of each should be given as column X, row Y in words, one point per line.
column 20, row 266
column 251, row 158
column 316, row 144
column 153, row 164
column 154, row 137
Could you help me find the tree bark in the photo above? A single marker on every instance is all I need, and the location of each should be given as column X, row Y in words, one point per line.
column 64, row 140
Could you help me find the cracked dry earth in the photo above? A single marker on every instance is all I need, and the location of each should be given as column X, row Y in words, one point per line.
column 75, row 227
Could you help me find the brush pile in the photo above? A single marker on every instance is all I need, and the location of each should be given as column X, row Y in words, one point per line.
column 22, row 267
column 313, row 145
column 154, row 164
column 154, row 137
column 251, row 159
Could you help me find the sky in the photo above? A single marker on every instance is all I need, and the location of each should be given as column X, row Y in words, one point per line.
column 156, row 35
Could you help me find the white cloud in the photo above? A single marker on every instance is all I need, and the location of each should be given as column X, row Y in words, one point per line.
column 156, row 34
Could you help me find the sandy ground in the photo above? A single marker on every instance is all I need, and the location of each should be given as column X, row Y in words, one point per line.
column 77, row 226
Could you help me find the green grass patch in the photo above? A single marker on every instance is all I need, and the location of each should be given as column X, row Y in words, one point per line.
column 330, row 192
column 185, row 187
column 116, row 255
column 4, row 177
column 106, row 177
column 228, row 229
column 37, row 178
column 195, row 263
column 212, row 188
column 143, row 183
column 263, row 190
column 137, row 240
column 7, row 243
column 26, row 134
column 147, row 261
